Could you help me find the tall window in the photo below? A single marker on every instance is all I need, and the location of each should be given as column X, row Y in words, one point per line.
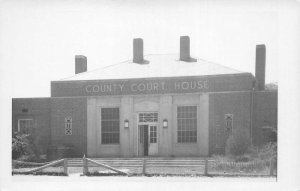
column 25, row 126
column 187, row 124
column 153, row 134
column 110, row 125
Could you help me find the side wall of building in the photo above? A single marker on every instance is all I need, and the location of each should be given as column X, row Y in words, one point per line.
column 236, row 103
column 264, row 116
column 76, row 108
column 37, row 109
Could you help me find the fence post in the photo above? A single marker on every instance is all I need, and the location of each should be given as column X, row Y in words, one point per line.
column 85, row 166
column 206, row 167
column 144, row 166
column 271, row 167
column 66, row 166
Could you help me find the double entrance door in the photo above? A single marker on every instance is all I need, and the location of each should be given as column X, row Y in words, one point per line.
column 147, row 127
column 148, row 140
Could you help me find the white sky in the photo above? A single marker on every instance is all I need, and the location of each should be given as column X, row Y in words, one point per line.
column 39, row 39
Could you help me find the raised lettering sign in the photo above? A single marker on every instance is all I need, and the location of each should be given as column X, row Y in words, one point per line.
column 144, row 87
column 149, row 86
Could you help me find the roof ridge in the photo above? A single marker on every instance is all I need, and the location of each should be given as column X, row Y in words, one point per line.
column 219, row 65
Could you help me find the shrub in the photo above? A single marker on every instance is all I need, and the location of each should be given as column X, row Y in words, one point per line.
column 254, row 166
column 19, row 145
column 237, row 143
column 265, row 152
column 24, row 148
column 268, row 151
column 243, row 158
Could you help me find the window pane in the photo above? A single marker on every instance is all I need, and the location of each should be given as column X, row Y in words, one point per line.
column 110, row 125
column 187, row 124
column 148, row 117
column 153, row 134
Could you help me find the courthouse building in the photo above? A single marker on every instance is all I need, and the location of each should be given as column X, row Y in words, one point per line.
column 154, row 105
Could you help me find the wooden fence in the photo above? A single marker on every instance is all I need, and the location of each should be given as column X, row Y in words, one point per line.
column 203, row 165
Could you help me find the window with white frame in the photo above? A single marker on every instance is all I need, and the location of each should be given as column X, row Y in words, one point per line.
column 187, row 124
column 110, row 125
column 68, row 126
column 25, row 126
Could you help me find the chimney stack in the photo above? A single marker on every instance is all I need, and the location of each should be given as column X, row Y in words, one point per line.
column 260, row 66
column 80, row 64
column 185, row 49
column 138, row 51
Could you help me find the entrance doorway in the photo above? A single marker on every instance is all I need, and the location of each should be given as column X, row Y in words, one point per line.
column 144, row 139
column 147, row 128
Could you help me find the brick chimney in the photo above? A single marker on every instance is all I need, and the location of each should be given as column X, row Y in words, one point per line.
column 80, row 64
column 185, row 49
column 260, row 66
column 138, row 51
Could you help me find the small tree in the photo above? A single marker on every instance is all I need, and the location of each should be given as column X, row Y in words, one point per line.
column 19, row 144
column 24, row 147
column 238, row 142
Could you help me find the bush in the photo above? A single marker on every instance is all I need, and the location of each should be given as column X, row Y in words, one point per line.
column 243, row 158
column 24, row 148
column 19, row 145
column 255, row 166
column 265, row 152
column 237, row 143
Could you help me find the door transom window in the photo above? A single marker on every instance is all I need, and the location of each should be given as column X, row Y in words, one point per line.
column 150, row 117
